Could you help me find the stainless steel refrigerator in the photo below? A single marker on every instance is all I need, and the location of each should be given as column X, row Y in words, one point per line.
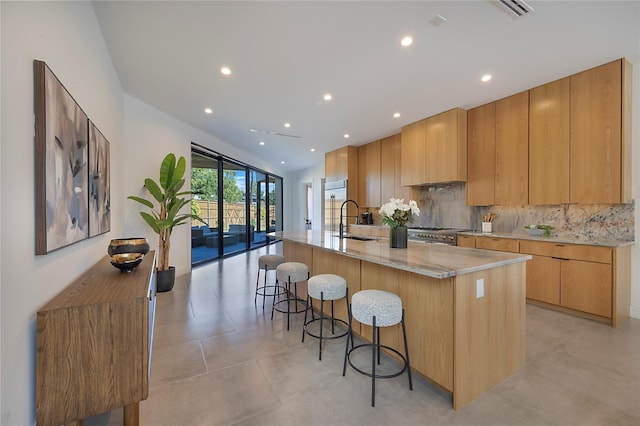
column 335, row 193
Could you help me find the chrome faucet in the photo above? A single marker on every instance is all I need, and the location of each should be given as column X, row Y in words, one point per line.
column 357, row 216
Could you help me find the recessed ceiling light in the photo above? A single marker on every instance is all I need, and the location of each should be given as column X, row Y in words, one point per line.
column 486, row 78
column 406, row 41
column 312, row 150
column 208, row 110
column 282, row 162
column 346, row 135
column 225, row 70
column 327, row 97
column 396, row 115
column 261, row 143
column 287, row 125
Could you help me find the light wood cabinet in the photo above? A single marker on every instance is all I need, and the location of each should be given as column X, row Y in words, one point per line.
column 512, row 150
column 549, row 140
column 434, row 149
column 543, row 279
column 498, row 244
column 342, row 164
column 466, row 241
column 391, row 171
column 600, row 134
column 428, row 305
column 498, row 144
column 588, row 280
column 413, row 148
column 369, row 174
column 93, row 345
column 481, row 152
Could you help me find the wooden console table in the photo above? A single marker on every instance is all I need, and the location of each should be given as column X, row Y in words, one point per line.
column 94, row 343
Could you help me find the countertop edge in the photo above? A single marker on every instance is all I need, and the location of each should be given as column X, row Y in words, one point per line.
column 519, row 236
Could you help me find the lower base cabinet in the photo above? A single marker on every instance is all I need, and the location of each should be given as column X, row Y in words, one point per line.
column 592, row 281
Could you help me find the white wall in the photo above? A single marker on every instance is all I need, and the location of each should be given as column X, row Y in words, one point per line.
column 296, row 201
column 67, row 37
column 150, row 134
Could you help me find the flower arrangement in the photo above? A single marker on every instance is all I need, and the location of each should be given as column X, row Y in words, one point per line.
column 396, row 213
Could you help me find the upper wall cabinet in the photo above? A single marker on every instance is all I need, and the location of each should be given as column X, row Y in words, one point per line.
column 391, row 170
column 549, row 139
column 564, row 142
column 369, row 178
column 601, row 134
column 482, row 155
column 434, row 150
column 498, row 152
column 512, row 150
column 342, row 164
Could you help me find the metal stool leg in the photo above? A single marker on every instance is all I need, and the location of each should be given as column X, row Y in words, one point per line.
column 346, row 345
column 304, row 326
column 321, row 325
column 373, row 362
column 406, row 351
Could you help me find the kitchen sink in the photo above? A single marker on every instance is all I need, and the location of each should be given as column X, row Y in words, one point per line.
column 356, row 237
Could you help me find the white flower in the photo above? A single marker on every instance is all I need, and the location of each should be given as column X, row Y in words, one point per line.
column 396, row 213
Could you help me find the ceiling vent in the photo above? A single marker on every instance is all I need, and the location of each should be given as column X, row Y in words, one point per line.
column 516, row 8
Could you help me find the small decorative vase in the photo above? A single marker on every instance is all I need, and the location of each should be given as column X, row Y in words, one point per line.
column 398, row 237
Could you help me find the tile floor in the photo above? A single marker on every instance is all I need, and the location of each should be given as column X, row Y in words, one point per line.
column 220, row 360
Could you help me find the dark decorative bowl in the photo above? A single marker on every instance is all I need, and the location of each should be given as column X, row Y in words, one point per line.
column 126, row 262
column 128, row 245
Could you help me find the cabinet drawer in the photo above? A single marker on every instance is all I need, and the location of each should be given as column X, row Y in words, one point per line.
column 466, row 241
column 567, row 251
column 498, row 244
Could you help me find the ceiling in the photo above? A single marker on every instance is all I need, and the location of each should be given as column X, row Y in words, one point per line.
column 285, row 56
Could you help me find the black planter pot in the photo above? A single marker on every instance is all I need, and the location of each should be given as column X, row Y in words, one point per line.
column 166, row 279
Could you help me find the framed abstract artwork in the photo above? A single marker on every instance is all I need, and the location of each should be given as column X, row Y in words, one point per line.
column 99, row 184
column 61, row 164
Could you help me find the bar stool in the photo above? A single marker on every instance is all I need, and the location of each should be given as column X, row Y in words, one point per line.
column 268, row 262
column 325, row 287
column 377, row 308
column 291, row 273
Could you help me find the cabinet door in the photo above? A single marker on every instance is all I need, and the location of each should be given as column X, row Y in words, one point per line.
column 586, row 286
column 549, row 143
column 481, row 155
column 596, row 148
column 543, row 279
column 497, row 244
column 413, row 145
column 369, row 174
column 331, row 166
column 512, row 150
column 466, row 241
column 445, row 150
column 391, row 170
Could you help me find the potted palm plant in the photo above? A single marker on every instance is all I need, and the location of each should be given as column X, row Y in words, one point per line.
column 166, row 215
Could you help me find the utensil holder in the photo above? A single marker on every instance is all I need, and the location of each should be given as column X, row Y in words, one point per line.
column 487, row 227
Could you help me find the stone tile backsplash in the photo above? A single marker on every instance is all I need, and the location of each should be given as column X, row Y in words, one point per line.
column 445, row 206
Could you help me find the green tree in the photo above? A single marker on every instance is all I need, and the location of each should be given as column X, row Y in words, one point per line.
column 204, row 184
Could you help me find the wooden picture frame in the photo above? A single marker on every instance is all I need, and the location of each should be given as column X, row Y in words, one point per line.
column 61, row 161
column 99, row 182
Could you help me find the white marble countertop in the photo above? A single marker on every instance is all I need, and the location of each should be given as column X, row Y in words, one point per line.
column 553, row 239
column 433, row 260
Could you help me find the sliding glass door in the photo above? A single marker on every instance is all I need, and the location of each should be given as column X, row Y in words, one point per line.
column 239, row 206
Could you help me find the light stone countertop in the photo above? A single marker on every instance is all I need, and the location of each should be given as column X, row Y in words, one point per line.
column 552, row 239
column 433, row 260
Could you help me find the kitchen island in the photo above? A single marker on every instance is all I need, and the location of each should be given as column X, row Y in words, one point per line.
column 464, row 308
